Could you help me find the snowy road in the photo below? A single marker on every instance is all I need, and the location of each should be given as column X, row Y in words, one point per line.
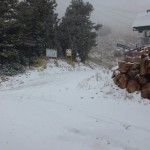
column 71, row 110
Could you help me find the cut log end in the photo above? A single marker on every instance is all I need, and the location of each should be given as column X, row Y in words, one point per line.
column 122, row 82
column 133, row 86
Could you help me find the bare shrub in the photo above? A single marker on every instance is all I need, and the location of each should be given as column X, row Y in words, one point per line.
column 39, row 62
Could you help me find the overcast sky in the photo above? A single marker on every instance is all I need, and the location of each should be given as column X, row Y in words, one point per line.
column 119, row 14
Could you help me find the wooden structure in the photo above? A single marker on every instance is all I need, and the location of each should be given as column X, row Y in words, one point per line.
column 69, row 54
column 134, row 75
column 142, row 25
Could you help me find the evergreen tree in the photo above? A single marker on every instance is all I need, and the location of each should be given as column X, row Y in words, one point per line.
column 76, row 31
column 8, row 31
column 26, row 29
column 39, row 20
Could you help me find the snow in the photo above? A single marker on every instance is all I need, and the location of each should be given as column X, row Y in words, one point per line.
column 71, row 108
column 143, row 19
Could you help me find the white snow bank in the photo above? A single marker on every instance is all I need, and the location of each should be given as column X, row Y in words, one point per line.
column 53, row 67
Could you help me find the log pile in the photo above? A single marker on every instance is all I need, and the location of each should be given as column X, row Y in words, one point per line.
column 133, row 74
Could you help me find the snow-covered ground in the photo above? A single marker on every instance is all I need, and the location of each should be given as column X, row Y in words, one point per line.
column 71, row 108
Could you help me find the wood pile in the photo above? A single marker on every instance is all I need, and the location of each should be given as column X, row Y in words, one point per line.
column 133, row 74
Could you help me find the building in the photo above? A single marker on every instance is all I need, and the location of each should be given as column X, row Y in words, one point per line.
column 142, row 25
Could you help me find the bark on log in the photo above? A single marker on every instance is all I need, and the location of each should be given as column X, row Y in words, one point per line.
column 121, row 63
column 129, row 59
column 125, row 67
column 145, row 93
column 142, row 80
column 136, row 66
column 144, row 66
column 137, row 60
column 133, row 59
column 133, row 74
column 143, row 55
column 148, row 63
column 148, row 71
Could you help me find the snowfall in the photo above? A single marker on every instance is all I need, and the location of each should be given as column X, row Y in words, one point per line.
column 71, row 107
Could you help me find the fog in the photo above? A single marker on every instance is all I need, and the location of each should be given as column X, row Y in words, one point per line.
column 118, row 14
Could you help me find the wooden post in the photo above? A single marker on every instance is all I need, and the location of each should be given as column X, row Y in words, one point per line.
column 69, row 54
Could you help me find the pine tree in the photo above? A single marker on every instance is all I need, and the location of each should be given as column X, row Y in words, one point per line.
column 8, row 31
column 39, row 20
column 76, row 31
column 26, row 29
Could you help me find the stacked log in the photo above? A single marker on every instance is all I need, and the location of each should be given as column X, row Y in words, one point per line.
column 133, row 74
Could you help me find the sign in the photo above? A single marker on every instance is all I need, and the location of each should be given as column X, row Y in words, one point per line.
column 68, row 52
column 51, row 53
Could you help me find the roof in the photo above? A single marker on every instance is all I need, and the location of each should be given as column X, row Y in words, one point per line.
column 142, row 20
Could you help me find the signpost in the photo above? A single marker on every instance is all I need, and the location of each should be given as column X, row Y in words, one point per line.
column 51, row 53
column 69, row 54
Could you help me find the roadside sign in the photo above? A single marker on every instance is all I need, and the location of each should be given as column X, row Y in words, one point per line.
column 52, row 53
column 68, row 52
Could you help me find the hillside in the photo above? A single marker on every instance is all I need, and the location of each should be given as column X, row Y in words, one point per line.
column 106, row 53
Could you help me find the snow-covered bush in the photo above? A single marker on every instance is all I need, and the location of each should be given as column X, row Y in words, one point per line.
column 11, row 69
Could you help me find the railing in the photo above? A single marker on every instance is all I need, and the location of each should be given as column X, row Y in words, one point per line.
column 143, row 41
